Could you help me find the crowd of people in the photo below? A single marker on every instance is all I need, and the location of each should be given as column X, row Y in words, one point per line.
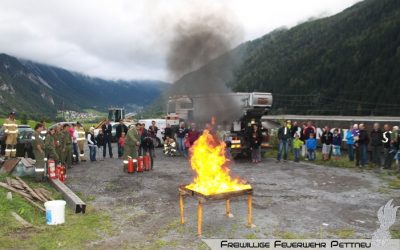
column 358, row 142
column 65, row 142
column 132, row 141
column 180, row 140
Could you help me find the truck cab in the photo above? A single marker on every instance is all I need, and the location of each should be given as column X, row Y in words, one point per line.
column 115, row 114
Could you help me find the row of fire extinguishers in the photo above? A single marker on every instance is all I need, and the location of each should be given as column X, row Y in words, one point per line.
column 56, row 171
column 140, row 164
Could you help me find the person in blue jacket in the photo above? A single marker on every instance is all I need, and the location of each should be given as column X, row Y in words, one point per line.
column 311, row 145
column 350, row 143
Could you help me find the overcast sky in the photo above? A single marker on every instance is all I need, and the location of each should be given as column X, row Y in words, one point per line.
column 128, row 39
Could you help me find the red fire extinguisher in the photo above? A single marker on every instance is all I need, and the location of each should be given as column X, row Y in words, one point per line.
column 62, row 175
column 131, row 167
column 51, row 169
column 147, row 162
column 58, row 170
column 140, row 164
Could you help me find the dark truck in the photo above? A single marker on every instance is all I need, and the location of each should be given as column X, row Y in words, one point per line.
column 24, row 139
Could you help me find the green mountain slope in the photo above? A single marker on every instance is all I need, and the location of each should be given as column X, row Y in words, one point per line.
column 39, row 90
column 345, row 64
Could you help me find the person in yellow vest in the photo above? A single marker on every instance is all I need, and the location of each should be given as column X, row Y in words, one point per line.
column 11, row 132
column 81, row 141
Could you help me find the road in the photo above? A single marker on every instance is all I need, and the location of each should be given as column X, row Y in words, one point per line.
column 298, row 200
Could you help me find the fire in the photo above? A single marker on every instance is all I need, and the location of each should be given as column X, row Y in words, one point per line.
column 207, row 158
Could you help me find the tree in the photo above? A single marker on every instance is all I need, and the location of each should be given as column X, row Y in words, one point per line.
column 24, row 118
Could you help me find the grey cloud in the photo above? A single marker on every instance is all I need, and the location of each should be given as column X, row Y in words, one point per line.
column 119, row 38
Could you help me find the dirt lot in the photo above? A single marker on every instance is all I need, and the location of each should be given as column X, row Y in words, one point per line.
column 291, row 200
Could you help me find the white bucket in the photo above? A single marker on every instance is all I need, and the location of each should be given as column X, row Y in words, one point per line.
column 55, row 212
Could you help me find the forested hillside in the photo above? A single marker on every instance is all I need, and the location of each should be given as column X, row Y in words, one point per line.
column 346, row 64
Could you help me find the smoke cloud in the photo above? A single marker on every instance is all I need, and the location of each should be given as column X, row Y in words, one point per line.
column 196, row 42
column 199, row 40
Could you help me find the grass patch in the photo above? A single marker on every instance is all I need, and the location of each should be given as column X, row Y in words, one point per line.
column 342, row 162
column 286, row 235
column 250, row 236
column 160, row 244
column 78, row 229
column 384, row 190
column 89, row 198
column 74, row 234
column 173, row 226
column 110, row 186
column 395, row 234
column 20, row 206
column 392, row 178
column 234, row 227
column 31, row 123
column 394, row 184
column 344, row 233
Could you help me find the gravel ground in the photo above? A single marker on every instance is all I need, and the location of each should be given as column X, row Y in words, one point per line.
column 290, row 199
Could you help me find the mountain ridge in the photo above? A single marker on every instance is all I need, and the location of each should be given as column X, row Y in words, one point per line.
column 40, row 90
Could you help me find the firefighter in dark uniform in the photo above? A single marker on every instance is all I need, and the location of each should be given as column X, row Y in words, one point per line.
column 57, row 141
column 66, row 147
column 38, row 151
column 50, row 147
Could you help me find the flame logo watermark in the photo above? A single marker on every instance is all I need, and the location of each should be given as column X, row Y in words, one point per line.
column 386, row 217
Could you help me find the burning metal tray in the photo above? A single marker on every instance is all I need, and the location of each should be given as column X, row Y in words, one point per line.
column 220, row 196
column 202, row 198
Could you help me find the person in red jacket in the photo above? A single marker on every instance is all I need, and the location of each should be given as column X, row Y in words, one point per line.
column 193, row 134
column 309, row 129
column 121, row 144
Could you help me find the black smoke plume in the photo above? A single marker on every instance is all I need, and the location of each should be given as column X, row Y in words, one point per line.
column 201, row 43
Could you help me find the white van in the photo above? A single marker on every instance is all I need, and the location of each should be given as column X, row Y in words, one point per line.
column 161, row 124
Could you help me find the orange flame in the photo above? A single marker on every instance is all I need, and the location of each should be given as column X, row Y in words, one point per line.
column 207, row 158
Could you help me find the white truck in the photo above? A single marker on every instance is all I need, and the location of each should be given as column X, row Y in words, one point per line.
column 161, row 125
column 244, row 109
